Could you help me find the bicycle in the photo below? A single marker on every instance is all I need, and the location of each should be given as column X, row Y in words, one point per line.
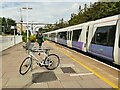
column 50, row 61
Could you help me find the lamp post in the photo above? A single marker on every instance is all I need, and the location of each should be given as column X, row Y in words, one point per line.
column 21, row 20
column 27, row 8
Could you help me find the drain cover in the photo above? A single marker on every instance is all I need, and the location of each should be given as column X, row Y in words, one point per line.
column 67, row 70
column 43, row 77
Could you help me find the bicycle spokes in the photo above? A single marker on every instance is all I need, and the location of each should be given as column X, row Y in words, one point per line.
column 52, row 61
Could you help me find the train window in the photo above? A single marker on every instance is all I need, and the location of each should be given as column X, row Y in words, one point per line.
column 105, row 35
column 68, row 35
column 111, row 37
column 62, row 35
column 50, row 35
column 53, row 35
column 76, row 34
column 46, row 35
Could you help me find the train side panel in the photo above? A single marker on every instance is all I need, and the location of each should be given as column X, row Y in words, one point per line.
column 69, row 38
column 117, row 43
column 118, row 60
column 62, row 37
column 102, row 38
column 79, row 37
column 76, row 42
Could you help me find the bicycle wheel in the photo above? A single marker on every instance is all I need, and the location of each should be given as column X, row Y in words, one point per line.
column 25, row 66
column 52, row 61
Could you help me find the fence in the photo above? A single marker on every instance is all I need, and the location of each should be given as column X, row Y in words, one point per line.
column 9, row 41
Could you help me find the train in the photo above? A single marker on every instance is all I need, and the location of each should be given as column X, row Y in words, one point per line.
column 100, row 37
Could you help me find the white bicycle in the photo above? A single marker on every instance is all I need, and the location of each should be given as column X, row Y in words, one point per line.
column 50, row 61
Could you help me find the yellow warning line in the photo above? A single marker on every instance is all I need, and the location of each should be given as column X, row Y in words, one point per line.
column 101, row 77
column 104, row 79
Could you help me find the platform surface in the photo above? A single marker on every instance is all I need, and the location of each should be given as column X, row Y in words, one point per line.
column 74, row 71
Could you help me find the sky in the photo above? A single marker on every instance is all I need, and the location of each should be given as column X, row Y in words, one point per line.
column 42, row 11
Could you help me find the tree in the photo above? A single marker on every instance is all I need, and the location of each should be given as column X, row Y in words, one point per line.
column 4, row 25
column 95, row 11
column 0, row 26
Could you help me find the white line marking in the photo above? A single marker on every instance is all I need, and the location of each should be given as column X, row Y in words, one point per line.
column 82, row 74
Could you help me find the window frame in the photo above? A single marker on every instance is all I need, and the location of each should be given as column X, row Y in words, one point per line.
column 80, row 30
column 61, row 33
column 108, row 31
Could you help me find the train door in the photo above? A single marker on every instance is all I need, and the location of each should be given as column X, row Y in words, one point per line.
column 119, row 50
column 102, row 43
column 69, row 38
column 119, row 42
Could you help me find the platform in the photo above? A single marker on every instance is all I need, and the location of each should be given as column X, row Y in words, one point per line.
column 75, row 71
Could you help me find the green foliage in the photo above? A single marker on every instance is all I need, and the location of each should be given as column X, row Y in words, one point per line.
column 32, row 38
column 6, row 24
column 24, row 36
column 95, row 11
column 0, row 26
column 90, row 12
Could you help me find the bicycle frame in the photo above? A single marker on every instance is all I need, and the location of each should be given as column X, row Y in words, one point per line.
column 35, row 58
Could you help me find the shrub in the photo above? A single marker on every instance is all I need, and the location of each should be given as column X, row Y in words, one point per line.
column 32, row 38
column 24, row 38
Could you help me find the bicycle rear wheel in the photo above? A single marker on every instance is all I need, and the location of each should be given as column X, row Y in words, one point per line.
column 25, row 66
column 52, row 61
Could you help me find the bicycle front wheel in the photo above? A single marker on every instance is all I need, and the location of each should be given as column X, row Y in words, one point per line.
column 25, row 66
column 52, row 61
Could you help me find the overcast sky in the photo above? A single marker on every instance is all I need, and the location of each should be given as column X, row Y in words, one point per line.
column 42, row 11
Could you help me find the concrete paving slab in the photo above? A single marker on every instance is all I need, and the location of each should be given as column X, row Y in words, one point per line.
column 11, row 74
column 80, row 70
column 70, row 84
column 67, row 77
column 20, row 82
column 0, row 85
column 89, row 77
column 38, row 85
column 88, row 84
column 55, row 84
column 11, row 87
column 101, row 83
column 35, row 70
column 4, row 81
column 58, row 71
column 67, row 65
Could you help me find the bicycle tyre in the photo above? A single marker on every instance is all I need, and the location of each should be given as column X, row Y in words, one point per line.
column 20, row 70
column 57, row 59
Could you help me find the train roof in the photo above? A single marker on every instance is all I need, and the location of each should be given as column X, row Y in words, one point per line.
column 108, row 19
column 111, row 18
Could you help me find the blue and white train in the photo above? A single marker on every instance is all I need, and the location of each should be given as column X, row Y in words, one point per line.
column 100, row 37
